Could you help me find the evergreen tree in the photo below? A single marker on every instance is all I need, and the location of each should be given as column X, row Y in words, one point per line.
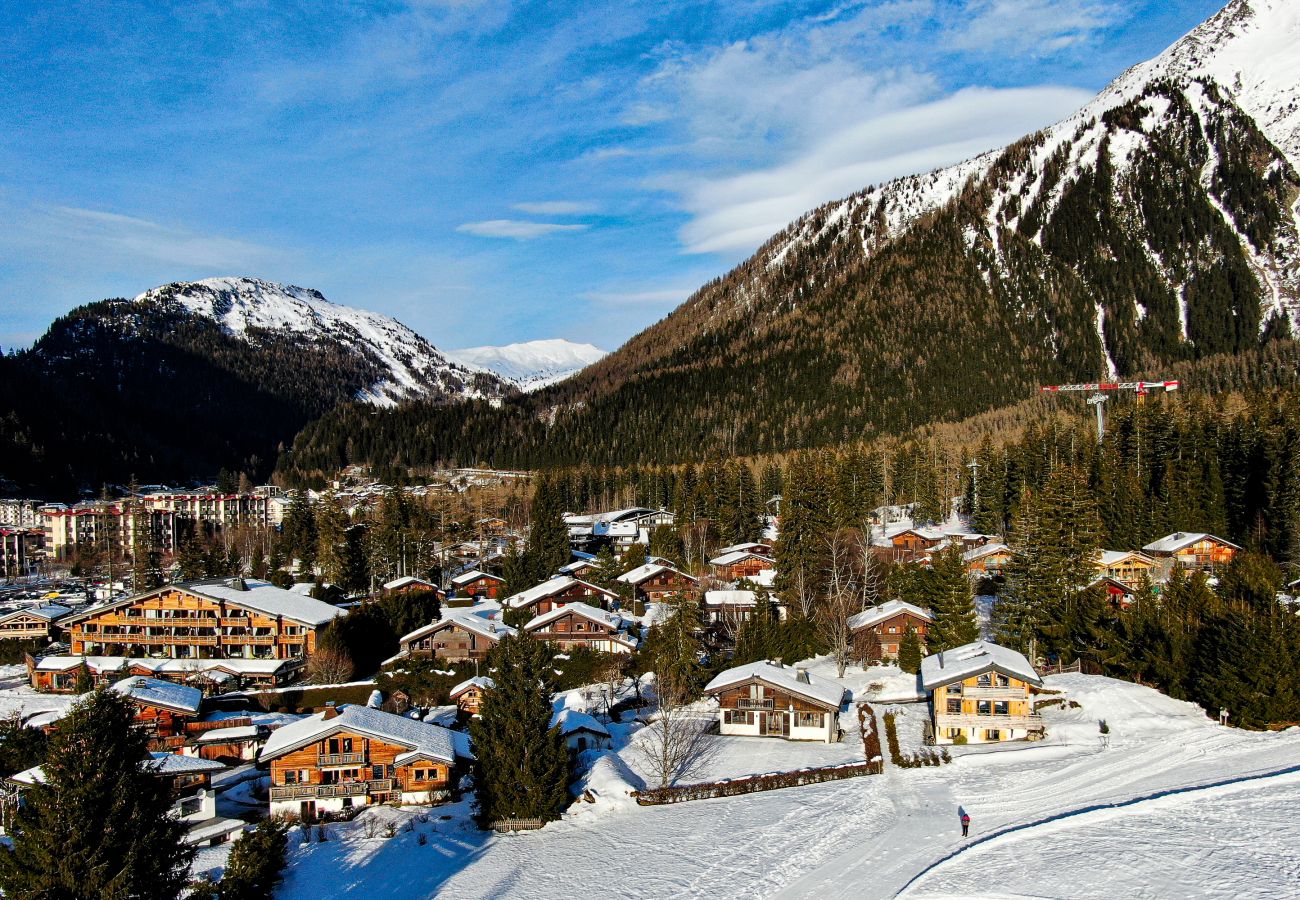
column 332, row 538
column 521, row 766
column 673, row 648
column 952, row 603
column 548, row 538
column 192, row 560
column 909, row 651
column 98, row 826
column 299, row 530
column 20, row 747
column 256, row 863
column 85, row 682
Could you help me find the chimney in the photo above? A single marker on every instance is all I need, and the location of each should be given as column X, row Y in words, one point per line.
column 331, row 711
column 776, row 661
column 801, row 675
column 238, row 583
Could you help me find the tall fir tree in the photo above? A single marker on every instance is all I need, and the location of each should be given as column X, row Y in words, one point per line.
column 952, row 603
column 909, row 651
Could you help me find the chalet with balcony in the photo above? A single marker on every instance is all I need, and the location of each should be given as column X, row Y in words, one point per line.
column 987, row 560
column 653, row 582
column 558, row 591
column 1193, row 550
column 468, row 695
column 203, row 620
column 475, row 583
column 768, row 699
column 1127, row 567
column 878, row 632
column 58, row 674
column 409, row 584
column 738, row 564
column 459, row 636
column 356, row 756
column 981, row 693
column 579, row 567
column 162, row 709
column 909, row 543
column 34, row 623
column 580, row 625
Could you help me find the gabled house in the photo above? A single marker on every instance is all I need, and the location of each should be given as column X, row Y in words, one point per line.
column 1193, row 550
column 728, row 608
column 1118, row 594
column 768, row 699
column 475, row 583
column 34, row 623
column 468, row 695
column 746, row 547
column 358, row 756
column 989, row 560
column 980, row 692
column 459, row 636
column 581, row 731
column 1127, row 566
column 162, row 709
column 579, row 625
column 910, row 543
column 878, row 632
column 58, row 674
column 231, row 741
column 578, row 567
column 740, row 564
column 409, row 584
column 558, row 591
column 654, row 581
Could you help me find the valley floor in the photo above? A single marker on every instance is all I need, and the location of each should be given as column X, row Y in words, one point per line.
column 1175, row 806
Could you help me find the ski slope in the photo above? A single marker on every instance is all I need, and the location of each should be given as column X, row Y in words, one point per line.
column 892, row 835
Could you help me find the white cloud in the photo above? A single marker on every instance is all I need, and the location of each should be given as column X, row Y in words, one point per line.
column 656, row 297
column 742, row 211
column 516, row 229
column 555, row 208
column 1034, row 27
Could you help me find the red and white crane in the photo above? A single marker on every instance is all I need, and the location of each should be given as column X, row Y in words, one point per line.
column 1098, row 398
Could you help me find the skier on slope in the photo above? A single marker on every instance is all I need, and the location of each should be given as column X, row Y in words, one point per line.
column 965, row 823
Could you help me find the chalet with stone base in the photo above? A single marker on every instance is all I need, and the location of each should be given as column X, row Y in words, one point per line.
column 768, row 699
column 356, row 756
column 980, row 693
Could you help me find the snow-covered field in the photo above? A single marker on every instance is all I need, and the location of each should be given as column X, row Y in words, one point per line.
column 1176, row 806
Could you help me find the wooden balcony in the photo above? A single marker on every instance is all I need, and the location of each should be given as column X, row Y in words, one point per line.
column 988, row 693
column 748, row 703
column 325, row 791
column 966, row 720
column 341, row 759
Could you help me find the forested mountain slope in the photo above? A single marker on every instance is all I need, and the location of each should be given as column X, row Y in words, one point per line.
column 1156, row 227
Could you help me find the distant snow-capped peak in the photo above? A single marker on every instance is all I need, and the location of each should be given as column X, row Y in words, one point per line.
column 530, row 365
column 412, row 366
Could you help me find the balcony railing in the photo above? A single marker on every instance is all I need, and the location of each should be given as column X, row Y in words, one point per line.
column 990, row 692
column 966, row 720
column 750, row 703
column 325, row 791
column 341, row 759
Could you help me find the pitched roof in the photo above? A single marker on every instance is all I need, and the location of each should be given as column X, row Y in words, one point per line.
column 167, row 764
column 1179, row 540
column 482, row 682
column 50, row 611
column 473, row 575
column 817, row 689
column 608, row 619
column 647, row 571
column 751, row 546
column 962, row 662
column 728, row 559
column 233, row 733
column 407, row 581
column 571, row 720
column 259, row 596
column 730, row 598
column 887, row 610
column 1114, row 557
column 164, row 666
column 154, row 692
column 549, row 588
column 420, row 738
column 465, row 619
column 984, row 550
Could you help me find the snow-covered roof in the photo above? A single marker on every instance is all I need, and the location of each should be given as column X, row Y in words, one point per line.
column 259, row 596
column 608, row 619
column 961, row 663
column 420, row 738
column 177, row 764
column 164, row 666
column 50, row 611
column 887, row 610
column 1114, row 557
column 647, row 571
column 408, row 581
column 482, row 682
column 549, row 588
column 1180, row 540
column 750, row 547
column 786, row 678
column 571, row 720
column 154, row 692
column 928, row 532
column 473, row 575
column 728, row 559
column 984, row 550
column 730, row 598
column 225, row 735
column 464, row 619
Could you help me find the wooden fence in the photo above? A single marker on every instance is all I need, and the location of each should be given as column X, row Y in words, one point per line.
column 504, row 826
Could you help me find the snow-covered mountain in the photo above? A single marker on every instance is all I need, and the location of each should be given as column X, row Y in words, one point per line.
column 531, row 364
column 406, row 364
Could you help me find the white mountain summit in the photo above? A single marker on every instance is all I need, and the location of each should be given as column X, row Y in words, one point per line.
column 530, row 365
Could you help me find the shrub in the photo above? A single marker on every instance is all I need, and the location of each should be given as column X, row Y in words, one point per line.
column 961, row 740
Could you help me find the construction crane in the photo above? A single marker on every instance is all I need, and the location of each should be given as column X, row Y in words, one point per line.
column 1098, row 399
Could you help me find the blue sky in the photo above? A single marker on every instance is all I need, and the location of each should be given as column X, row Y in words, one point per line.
column 493, row 172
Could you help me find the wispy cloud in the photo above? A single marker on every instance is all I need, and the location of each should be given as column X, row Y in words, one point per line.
column 1034, row 27
column 657, row 297
column 517, row 229
column 556, row 208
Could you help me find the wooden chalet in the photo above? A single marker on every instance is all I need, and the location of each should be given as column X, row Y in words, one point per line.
column 34, row 623
column 356, row 756
column 1193, row 550
column 740, row 564
column 59, row 674
column 475, row 583
column 231, row 741
column 653, row 582
column 468, row 695
column 878, row 632
column 768, row 699
column 162, row 709
column 558, row 591
column 1127, row 566
column 1117, row 593
column 579, row 625
column 581, row 731
column 908, row 543
column 981, row 692
column 409, row 584
column 227, row 619
column 723, row 612
column 459, row 636
column 987, row 560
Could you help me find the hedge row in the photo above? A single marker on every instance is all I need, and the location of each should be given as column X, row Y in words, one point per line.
column 754, row 783
column 925, row 757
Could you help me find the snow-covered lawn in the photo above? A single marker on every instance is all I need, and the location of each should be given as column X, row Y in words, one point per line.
column 737, row 756
column 876, row 836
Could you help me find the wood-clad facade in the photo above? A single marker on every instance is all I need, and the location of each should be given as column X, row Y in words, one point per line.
column 757, row 708
column 570, row 629
column 484, row 585
column 749, row 566
column 986, row 707
column 881, row 640
column 450, row 639
column 26, row 626
column 657, row 587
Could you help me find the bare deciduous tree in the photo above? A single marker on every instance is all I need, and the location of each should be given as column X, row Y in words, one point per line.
column 847, row 592
column 676, row 743
column 329, row 665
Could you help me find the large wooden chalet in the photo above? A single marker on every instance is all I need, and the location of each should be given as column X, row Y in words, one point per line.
column 1127, row 566
column 1193, row 550
column 737, row 564
column 477, row 584
column 228, row 619
column 558, row 591
column 768, row 699
column 987, row 560
column 34, row 623
column 356, row 756
column 878, row 632
column 980, row 693
column 653, row 582
column 59, row 674
column 459, row 636
column 909, row 543
column 468, row 695
column 580, row 625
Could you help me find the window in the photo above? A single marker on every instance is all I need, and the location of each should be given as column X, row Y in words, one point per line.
column 419, row 775
column 291, row 776
column 1003, row 681
column 893, row 629
column 739, row 717
column 954, row 706
column 984, row 707
column 954, row 732
column 994, row 734
column 347, row 745
column 809, row 720
column 1001, row 708
column 985, row 680
column 190, row 806
column 377, row 772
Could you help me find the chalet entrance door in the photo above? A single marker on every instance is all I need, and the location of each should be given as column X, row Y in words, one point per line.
column 778, row 723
